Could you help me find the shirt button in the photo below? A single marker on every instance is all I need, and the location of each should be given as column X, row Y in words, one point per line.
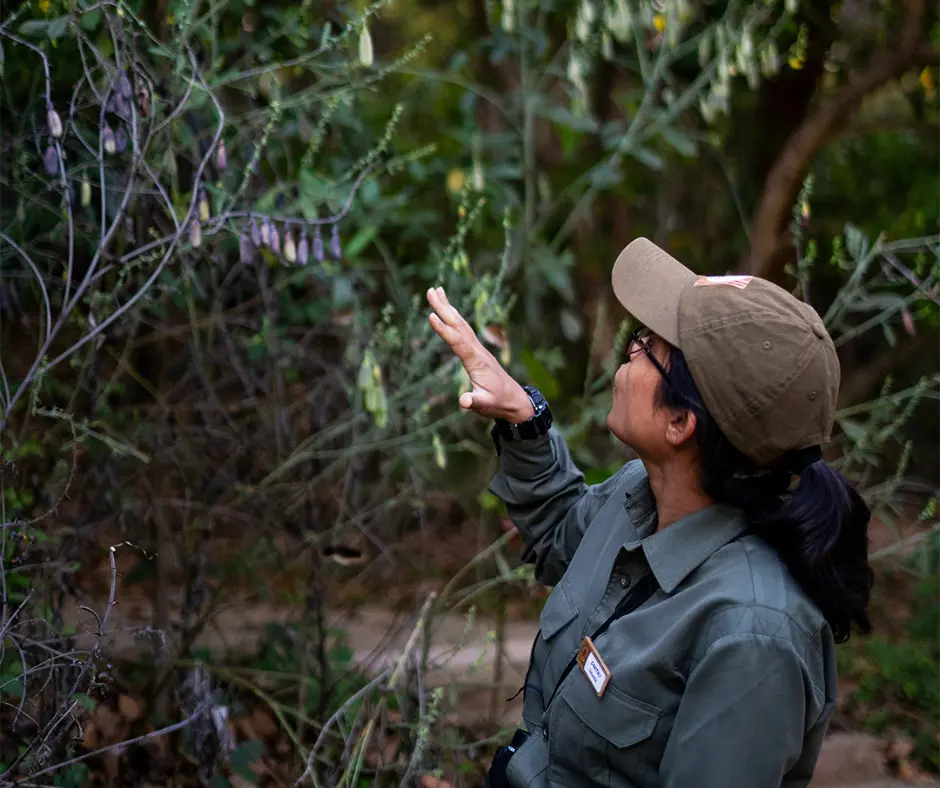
column 545, row 732
column 625, row 581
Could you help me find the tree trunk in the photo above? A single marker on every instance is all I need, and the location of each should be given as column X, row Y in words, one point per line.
column 769, row 243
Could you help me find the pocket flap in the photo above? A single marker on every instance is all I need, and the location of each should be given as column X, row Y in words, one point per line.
column 557, row 612
column 616, row 717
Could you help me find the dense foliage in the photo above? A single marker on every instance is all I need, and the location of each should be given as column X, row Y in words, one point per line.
column 218, row 387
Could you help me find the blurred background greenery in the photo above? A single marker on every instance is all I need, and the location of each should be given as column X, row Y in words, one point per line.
column 227, row 430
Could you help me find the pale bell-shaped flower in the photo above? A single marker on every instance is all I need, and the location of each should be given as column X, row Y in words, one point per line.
column 704, row 49
column 54, row 122
column 366, row 54
column 508, row 18
column 318, row 246
column 290, row 248
column 336, row 249
column 51, row 161
column 108, row 141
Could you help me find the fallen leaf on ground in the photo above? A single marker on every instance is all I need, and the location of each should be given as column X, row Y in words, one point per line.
column 429, row 781
column 130, row 709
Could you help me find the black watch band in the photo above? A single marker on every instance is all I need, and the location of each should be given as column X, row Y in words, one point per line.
column 535, row 427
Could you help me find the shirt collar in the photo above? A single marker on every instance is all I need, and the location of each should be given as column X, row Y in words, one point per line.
column 675, row 551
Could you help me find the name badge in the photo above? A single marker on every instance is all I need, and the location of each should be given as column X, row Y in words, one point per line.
column 593, row 666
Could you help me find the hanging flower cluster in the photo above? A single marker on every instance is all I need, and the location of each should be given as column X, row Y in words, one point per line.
column 287, row 247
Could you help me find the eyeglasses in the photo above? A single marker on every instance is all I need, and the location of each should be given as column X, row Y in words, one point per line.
column 640, row 339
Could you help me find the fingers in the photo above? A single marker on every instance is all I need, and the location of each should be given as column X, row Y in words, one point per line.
column 450, row 335
column 438, row 300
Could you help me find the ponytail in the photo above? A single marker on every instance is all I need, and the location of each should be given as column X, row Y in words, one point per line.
column 806, row 510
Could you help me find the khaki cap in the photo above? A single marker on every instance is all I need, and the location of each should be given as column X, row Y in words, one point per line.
column 762, row 359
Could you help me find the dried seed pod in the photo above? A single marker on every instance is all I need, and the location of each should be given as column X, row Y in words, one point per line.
column 143, row 100
column 303, row 249
column 290, row 248
column 203, row 206
column 54, row 122
column 120, row 139
column 51, row 161
column 221, row 157
column 336, row 250
column 265, row 232
column 275, row 240
column 255, row 234
column 107, row 140
column 246, row 251
column 86, row 192
column 124, row 87
column 195, row 234
column 318, row 245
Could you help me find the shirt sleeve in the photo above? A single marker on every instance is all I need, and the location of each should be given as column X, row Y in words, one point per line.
column 548, row 501
column 742, row 717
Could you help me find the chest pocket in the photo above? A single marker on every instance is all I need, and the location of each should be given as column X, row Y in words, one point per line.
column 612, row 740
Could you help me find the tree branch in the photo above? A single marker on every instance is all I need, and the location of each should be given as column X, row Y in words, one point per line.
column 782, row 186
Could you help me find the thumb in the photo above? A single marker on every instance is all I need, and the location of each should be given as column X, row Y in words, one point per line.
column 466, row 400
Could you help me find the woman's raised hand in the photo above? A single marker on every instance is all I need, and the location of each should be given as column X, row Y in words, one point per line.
column 495, row 393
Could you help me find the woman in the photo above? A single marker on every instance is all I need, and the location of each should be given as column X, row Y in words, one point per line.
column 699, row 592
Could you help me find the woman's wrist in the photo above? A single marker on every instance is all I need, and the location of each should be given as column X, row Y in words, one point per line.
column 522, row 410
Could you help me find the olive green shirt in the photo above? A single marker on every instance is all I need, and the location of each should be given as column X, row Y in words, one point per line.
column 724, row 678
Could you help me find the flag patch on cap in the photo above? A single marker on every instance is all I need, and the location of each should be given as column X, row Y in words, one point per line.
column 738, row 281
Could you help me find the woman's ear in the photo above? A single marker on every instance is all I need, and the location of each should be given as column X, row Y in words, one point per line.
column 681, row 427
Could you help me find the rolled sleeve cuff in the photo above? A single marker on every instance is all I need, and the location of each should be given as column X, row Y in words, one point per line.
column 527, row 459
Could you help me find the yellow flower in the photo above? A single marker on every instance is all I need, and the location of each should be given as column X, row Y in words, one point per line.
column 659, row 22
column 926, row 82
column 797, row 63
column 456, row 181
column 44, row 6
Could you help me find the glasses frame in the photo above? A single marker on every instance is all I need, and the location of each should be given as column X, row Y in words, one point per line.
column 639, row 339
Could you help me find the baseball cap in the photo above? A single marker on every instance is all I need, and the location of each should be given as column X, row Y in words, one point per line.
column 762, row 360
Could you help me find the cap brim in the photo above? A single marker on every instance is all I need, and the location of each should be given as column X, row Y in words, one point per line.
column 649, row 283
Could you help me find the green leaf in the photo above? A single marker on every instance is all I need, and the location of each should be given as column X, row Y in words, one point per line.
column 58, row 27
column 648, row 157
column 890, row 336
column 84, row 701
column 219, row 782
column 34, row 27
column 360, row 241
column 90, row 20
column 342, row 655
column 243, row 756
column 538, row 373
column 854, row 430
column 680, row 142
column 855, row 242
column 565, row 117
column 605, row 175
column 11, row 686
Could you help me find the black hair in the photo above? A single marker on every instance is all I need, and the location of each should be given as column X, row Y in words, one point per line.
column 820, row 528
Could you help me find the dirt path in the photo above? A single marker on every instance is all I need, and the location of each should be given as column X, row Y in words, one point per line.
column 463, row 654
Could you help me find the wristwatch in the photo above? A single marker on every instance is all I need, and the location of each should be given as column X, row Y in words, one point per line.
column 535, row 427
